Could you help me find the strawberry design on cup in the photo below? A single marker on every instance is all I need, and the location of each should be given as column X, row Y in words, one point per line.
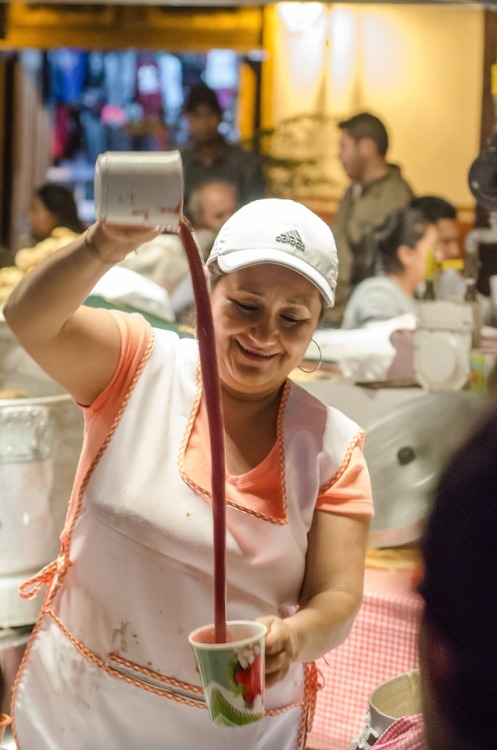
column 246, row 673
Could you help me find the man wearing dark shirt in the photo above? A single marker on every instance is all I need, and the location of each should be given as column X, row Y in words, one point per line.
column 377, row 189
column 209, row 156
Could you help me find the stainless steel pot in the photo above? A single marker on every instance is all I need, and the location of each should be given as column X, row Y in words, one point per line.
column 40, row 441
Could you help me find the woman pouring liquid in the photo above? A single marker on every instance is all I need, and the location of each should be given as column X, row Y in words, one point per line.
column 109, row 663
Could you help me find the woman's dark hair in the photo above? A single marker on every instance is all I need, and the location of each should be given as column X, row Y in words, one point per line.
column 434, row 208
column 459, row 584
column 381, row 244
column 59, row 200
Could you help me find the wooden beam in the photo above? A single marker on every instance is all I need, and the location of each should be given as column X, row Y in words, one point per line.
column 175, row 29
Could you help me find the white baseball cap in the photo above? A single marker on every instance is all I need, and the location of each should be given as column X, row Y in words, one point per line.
column 275, row 230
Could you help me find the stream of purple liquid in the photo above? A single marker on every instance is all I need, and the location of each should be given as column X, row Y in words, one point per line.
column 212, row 393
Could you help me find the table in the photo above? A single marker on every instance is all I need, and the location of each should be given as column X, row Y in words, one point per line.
column 381, row 645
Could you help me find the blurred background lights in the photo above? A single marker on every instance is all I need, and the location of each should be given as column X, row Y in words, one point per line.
column 298, row 17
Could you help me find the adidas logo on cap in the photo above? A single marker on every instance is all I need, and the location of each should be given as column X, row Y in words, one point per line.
column 291, row 238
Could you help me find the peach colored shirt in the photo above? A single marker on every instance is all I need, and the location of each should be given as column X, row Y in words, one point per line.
column 260, row 488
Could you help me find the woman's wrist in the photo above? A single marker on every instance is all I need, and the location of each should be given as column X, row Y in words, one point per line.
column 294, row 638
column 93, row 248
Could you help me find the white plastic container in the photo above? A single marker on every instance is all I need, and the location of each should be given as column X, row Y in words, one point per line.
column 442, row 344
column 139, row 188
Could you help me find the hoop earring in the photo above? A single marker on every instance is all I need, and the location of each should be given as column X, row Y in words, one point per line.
column 314, row 369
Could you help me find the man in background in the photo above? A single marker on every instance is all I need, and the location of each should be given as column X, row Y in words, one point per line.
column 209, row 156
column 210, row 204
column 377, row 188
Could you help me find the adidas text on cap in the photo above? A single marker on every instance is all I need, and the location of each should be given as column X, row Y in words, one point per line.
column 274, row 230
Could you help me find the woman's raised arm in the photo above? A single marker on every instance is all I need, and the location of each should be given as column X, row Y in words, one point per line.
column 78, row 346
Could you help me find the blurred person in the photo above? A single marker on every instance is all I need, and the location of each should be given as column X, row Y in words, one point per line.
column 54, row 222
column 212, row 203
column 402, row 245
column 210, row 156
column 449, row 281
column 377, row 189
column 457, row 653
column 53, row 206
column 444, row 214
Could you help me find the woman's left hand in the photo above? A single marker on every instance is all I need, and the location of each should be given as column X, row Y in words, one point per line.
column 281, row 648
column 330, row 597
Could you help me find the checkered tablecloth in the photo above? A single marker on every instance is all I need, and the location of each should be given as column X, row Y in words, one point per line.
column 407, row 733
column 381, row 645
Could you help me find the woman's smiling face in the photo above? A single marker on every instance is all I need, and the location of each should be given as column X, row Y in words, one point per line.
column 264, row 317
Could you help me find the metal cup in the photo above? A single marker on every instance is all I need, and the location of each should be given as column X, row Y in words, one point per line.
column 139, row 188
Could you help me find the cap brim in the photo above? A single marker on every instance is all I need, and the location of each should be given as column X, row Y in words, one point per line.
column 238, row 259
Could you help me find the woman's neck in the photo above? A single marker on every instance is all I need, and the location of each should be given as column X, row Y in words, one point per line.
column 257, row 404
column 250, row 428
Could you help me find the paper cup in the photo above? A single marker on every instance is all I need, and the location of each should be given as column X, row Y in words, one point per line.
column 139, row 188
column 232, row 673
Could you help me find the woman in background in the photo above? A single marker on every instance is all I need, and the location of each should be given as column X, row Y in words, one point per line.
column 53, row 206
column 54, row 223
column 401, row 246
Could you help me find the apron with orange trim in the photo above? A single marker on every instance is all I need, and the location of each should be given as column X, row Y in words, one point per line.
column 109, row 664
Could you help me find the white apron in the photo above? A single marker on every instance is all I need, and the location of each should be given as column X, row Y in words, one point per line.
column 109, row 664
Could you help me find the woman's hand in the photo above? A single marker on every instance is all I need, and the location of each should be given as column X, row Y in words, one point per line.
column 110, row 243
column 281, row 648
